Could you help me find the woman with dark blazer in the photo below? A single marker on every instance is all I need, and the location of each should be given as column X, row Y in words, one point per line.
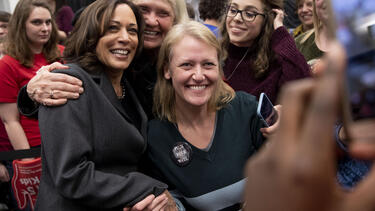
column 91, row 146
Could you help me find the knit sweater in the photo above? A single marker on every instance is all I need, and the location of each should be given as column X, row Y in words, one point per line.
column 288, row 65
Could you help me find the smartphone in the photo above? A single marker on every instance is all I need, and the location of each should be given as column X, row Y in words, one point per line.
column 266, row 111
column 355, row 29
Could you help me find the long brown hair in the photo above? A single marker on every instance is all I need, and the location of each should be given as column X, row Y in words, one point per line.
column 17, row 43
column 90, row 27
column 262, row 53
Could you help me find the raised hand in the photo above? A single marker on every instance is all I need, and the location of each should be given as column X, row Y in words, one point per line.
column 296, row 171
column 279, row 18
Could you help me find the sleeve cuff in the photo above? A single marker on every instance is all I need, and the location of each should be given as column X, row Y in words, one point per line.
column 26, row 106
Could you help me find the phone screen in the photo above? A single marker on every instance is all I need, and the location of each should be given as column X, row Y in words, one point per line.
column 356, row 31
column 266, row 111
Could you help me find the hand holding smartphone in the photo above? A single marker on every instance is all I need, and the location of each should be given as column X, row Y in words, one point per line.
column 266, row 112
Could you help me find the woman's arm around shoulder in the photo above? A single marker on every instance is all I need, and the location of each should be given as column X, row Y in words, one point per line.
column 39, row 89
column 68, row 149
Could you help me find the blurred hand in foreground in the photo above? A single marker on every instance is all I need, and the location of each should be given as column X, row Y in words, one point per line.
column 296, row 171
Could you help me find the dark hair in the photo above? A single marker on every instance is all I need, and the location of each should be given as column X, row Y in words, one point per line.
column 4, row 16
column 262, row 53
column 77, row 14
column 190, row 11
column 17, row 43
column 90, row 27
column 212, row 9
column 59, row 4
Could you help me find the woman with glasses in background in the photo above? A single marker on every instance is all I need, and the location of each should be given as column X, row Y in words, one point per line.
column 261, row 54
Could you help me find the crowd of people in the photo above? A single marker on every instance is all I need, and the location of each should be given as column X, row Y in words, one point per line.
column 136, row 106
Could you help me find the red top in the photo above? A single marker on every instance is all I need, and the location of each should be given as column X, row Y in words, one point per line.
column 13, row 76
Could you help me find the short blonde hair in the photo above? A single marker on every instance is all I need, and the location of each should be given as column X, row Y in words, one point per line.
column 179, row 10
column 164, row 94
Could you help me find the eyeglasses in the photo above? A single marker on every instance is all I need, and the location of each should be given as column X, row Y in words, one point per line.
column 246, row 15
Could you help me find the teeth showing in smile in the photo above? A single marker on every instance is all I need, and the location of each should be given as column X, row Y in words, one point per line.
column 197, row 87
column 151, row 33
column 122, row 52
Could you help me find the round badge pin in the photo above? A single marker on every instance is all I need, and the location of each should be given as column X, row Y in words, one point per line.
column 181, row 153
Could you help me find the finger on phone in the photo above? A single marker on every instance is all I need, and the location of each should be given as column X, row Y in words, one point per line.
column 268, row 131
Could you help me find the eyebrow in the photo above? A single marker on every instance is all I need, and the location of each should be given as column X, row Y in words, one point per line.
column 246, row 7
column 40, row 19
column 118, row 23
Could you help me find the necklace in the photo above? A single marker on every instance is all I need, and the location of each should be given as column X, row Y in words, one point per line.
column 230, row 76
column 123, row 92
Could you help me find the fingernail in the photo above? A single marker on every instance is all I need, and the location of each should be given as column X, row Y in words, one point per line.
column 80, row 90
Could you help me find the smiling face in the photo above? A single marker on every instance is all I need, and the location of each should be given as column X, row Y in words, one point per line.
column 321, row 10
column 305, row 13
column 243, row 33
column 38, row 28
column 194, row 71
column 117, row 48
column 159, row 18
column 3, row 29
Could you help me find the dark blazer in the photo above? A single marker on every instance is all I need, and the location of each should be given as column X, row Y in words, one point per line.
column 91, row 149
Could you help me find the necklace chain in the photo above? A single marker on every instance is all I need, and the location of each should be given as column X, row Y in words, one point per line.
column 123, row 92
column 230, row 76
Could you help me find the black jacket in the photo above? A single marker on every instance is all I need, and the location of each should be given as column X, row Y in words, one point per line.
column 91, row 150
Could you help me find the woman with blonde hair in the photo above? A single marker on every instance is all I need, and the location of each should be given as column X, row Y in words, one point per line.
column 205, row 131
column 315, row 42
column 160, row 16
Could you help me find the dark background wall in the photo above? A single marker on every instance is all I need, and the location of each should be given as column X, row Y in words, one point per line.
column 76, row 4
